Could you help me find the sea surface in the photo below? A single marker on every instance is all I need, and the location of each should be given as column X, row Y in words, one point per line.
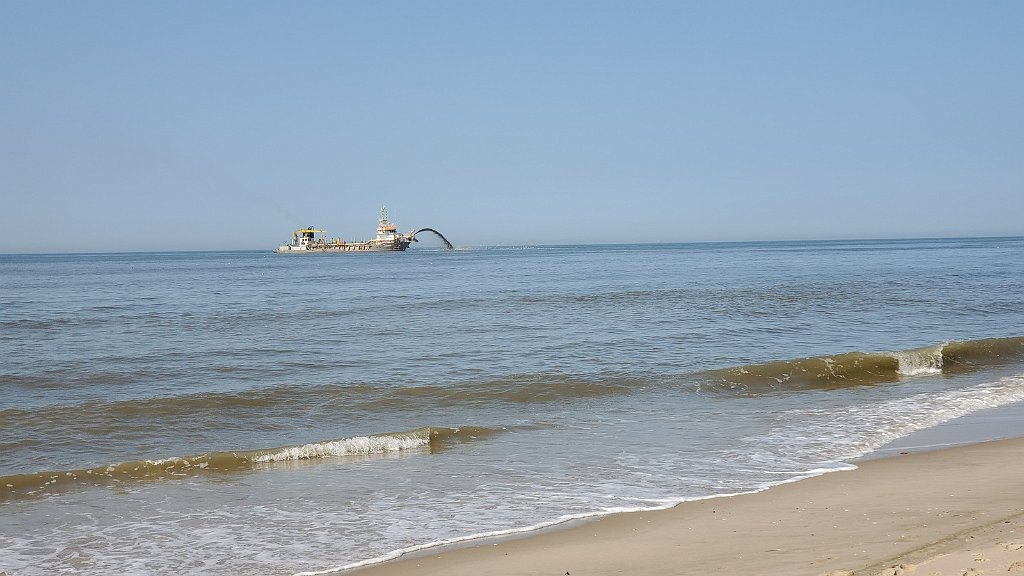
column 251, row 413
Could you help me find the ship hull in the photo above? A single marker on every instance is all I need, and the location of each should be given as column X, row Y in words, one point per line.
column 344, row 248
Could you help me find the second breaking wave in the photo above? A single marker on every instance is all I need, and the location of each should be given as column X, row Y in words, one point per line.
column 866, row 368
column 833, row 371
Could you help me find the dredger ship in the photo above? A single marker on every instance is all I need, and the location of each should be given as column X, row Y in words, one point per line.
column 388, row 239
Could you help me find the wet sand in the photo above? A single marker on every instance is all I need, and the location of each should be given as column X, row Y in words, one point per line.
column 947, row 512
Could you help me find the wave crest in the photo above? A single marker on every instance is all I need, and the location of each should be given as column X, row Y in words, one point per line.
column 427, row 438
column 358, row 446
column 864, row 368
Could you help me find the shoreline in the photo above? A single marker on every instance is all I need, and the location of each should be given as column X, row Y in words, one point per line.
column 961, row 504
column 999, row 423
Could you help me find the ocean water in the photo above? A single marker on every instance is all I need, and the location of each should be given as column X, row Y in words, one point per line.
column 245, row 412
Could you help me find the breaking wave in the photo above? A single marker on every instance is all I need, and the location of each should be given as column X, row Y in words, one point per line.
column 864, row 368
column 427, row 438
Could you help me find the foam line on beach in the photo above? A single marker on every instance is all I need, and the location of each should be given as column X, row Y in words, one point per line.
column 811, row 432
column 660, row 504
column 481, row 536
column 885, row 517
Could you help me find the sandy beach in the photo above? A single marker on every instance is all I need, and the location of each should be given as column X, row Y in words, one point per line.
column 957, row 511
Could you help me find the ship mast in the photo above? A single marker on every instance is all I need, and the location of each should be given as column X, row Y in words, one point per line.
column 385, row 227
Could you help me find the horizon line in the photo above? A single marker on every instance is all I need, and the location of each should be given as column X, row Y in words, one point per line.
column 595, row 244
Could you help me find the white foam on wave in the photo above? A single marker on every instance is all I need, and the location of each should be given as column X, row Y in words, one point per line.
column 920, row 361
column 346, row 447
column 163, row 461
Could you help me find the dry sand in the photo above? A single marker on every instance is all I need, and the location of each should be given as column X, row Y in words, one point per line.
column 958, row 511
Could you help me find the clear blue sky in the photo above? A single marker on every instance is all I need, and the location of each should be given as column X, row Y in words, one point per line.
column 225, row 125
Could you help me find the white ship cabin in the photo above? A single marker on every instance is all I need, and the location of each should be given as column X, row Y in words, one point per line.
column 304, row 237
